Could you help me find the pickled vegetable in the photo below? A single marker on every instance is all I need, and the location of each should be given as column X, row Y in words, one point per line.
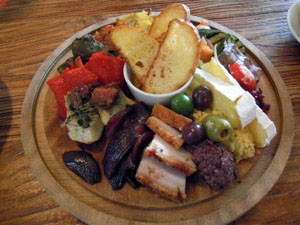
column 86, row 46
column 182, row 104
column 217, row 128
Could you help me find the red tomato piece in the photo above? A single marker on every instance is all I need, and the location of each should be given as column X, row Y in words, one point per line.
column 243, row 75
column 108, row 69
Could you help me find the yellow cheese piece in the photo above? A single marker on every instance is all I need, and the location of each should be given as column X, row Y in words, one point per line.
column 262, row 129
column 213, row 68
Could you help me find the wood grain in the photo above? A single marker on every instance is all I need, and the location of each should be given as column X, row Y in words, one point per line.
column 31, row 30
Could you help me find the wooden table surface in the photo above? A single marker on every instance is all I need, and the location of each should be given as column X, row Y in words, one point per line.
column 31, row 29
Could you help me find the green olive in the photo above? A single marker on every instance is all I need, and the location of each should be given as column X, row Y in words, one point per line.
column 217, row 128
column 182, row 104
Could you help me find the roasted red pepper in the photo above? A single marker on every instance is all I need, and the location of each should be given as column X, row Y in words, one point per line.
column 72, row 78
column 108, row 69
column 243, row 75
column 66, row 81
column 101, row 67
column 59, row 89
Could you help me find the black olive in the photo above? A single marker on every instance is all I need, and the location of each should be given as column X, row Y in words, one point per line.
column 202, row 97
column 193, row 133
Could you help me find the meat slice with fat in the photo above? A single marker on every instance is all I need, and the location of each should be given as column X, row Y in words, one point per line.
column 168, row 133
column 162, row 179
column 179, row 159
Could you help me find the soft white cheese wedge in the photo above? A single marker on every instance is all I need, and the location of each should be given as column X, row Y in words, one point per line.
column 262, row 129
column 85, row 135
column 236, row 104
column 179, row 159
column 161, row 178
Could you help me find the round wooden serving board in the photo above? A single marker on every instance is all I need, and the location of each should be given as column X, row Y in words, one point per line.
column 44, row 141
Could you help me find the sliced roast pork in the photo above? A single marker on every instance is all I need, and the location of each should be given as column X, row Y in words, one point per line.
column 163, row 179
column 170, row 117
column 177, row 158
column 168, row 133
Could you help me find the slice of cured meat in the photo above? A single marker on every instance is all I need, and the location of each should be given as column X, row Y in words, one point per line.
column 118, row 147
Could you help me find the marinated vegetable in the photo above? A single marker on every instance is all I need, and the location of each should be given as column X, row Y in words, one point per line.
column 206, row 51
column 182, row 104
column 217, row 128
column 202, row 97
column 207, row 33
column 243, row 75
column 67, row 81
column 108, row 69
column 231, row 54
column 86, row 46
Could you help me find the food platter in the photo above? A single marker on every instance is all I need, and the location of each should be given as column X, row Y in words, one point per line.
column 44, row 141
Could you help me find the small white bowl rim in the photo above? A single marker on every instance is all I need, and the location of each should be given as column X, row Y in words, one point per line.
column 129, row 83
column 289, row 20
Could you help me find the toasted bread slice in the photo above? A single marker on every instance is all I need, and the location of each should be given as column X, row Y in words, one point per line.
column 161, row 22
column 137, row 47
column 170, row 117
column 168, row 133
column 176, row 60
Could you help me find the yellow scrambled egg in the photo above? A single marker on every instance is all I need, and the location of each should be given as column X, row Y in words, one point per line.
column 240, row 142
column 140, row 20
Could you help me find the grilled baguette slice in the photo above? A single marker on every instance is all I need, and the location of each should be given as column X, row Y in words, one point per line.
column 160, row 24
column 176, row 60
column 137, row 47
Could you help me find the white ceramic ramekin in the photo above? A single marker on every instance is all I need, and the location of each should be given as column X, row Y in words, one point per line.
column 148, row 98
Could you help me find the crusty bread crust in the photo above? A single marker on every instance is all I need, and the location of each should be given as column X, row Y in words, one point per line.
column 161, row 71
column 160, row 23
column 174, row 140
column 138, row 49
column 170, row 117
